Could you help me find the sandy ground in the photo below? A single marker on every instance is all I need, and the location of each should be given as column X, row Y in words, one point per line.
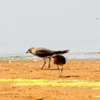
column 86, row 70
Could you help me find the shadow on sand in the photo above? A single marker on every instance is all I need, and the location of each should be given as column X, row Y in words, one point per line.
column 69, row 76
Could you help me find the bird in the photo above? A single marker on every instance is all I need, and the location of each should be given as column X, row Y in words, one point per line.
column 45, row 53
column 59, row 60
column 97, row 18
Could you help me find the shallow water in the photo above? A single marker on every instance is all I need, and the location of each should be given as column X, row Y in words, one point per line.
column 84, row 56
column 21, row 56
column 79, row 48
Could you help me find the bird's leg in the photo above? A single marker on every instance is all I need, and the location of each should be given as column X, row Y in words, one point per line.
column 49, row 63
column 58, row 67
column 43, row 64
column 61, row 70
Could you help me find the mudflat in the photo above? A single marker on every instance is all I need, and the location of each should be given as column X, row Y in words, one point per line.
column 75, row 71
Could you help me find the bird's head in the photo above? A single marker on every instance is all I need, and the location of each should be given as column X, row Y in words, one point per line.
column 30, row 50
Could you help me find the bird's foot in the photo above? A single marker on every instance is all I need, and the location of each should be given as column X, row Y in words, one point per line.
column 60, row 75
column 48, row 68
column 41, row 67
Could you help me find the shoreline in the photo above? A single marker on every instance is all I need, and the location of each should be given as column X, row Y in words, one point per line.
column 70, row 55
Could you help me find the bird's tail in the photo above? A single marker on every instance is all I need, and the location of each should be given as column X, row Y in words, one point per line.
column 62, row 52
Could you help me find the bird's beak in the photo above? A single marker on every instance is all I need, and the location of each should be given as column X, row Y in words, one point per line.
column 27, row 52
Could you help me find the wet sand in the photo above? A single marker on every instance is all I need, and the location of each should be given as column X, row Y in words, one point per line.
column 84, row 70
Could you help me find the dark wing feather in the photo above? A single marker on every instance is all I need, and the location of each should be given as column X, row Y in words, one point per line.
column 44, row 53
column 59, row 60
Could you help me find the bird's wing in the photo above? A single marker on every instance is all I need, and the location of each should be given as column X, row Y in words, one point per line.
column 43, row 53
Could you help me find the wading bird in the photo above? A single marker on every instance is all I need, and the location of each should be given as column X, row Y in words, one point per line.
column 59, row 60
column 45, row 53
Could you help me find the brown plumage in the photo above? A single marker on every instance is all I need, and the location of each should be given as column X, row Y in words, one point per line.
column 60, row 60
column 45, row 53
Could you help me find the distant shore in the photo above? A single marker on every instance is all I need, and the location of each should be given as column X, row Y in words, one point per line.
column 72, row 55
